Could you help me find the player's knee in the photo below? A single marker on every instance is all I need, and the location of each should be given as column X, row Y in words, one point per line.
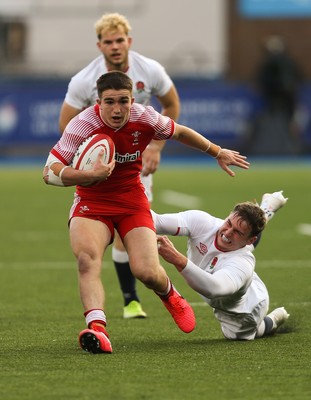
column 86, row 263
column 147, row 276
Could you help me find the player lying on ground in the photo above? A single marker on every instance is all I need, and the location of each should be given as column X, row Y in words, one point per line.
column 220, row 264
column 111, row 196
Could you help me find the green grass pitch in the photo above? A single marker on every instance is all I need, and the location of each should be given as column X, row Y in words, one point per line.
column 41, row 314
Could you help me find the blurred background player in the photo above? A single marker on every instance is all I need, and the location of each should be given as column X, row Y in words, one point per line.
column 278, row 79
column 150, row 79
column 220, row 265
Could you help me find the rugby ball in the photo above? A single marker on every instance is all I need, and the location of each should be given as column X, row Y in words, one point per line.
column 88, row 151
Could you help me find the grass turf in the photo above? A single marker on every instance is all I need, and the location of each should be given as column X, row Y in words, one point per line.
column 41, row 314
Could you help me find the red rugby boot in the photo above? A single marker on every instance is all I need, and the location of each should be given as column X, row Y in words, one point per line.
column 95, row 340
column 180, row 310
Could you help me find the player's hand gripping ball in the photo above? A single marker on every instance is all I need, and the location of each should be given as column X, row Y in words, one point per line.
column 88, row 151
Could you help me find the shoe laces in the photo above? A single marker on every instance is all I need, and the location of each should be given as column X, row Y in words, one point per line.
column 177, row 302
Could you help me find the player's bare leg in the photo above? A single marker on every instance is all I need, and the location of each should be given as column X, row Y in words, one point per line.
column 141, row 244
column 132, row 307
column 89, row 239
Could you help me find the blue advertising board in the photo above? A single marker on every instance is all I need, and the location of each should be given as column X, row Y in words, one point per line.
column 275, row 8
column 29, row 111
column 222, row 111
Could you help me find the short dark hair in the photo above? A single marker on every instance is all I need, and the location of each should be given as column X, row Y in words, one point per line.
column 115, row 80
column 253, row 215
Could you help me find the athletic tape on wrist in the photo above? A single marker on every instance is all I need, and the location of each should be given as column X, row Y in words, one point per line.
column 213, row 149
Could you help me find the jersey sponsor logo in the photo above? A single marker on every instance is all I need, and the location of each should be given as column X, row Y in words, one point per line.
column 128, row 157
column 202, row 248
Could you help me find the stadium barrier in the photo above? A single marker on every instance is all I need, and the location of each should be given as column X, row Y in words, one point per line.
column 29, row 110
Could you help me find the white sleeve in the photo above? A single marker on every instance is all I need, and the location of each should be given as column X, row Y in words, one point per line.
column 162, row 81
column 77, row 95
column 209, row 285
column 185, row 223
column 169, row 224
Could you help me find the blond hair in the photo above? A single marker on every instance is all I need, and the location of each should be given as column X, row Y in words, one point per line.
column 112, row 23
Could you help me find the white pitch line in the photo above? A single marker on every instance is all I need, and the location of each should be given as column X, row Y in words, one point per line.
column 179, row 199
column 283, row 263
column 304, row 229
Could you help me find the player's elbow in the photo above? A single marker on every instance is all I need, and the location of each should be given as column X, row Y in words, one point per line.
column 45, row 175
column 217, row 290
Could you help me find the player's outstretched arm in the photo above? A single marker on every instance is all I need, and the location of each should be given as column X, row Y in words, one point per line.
column 225, row 157
column 209, row 285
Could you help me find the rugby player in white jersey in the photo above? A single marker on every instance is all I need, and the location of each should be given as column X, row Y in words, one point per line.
column 102, row 202
column 150, row 79
column 220, row 265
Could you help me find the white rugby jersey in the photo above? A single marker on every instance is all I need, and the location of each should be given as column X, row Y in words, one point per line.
column 149, row 78
column 226, row 280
